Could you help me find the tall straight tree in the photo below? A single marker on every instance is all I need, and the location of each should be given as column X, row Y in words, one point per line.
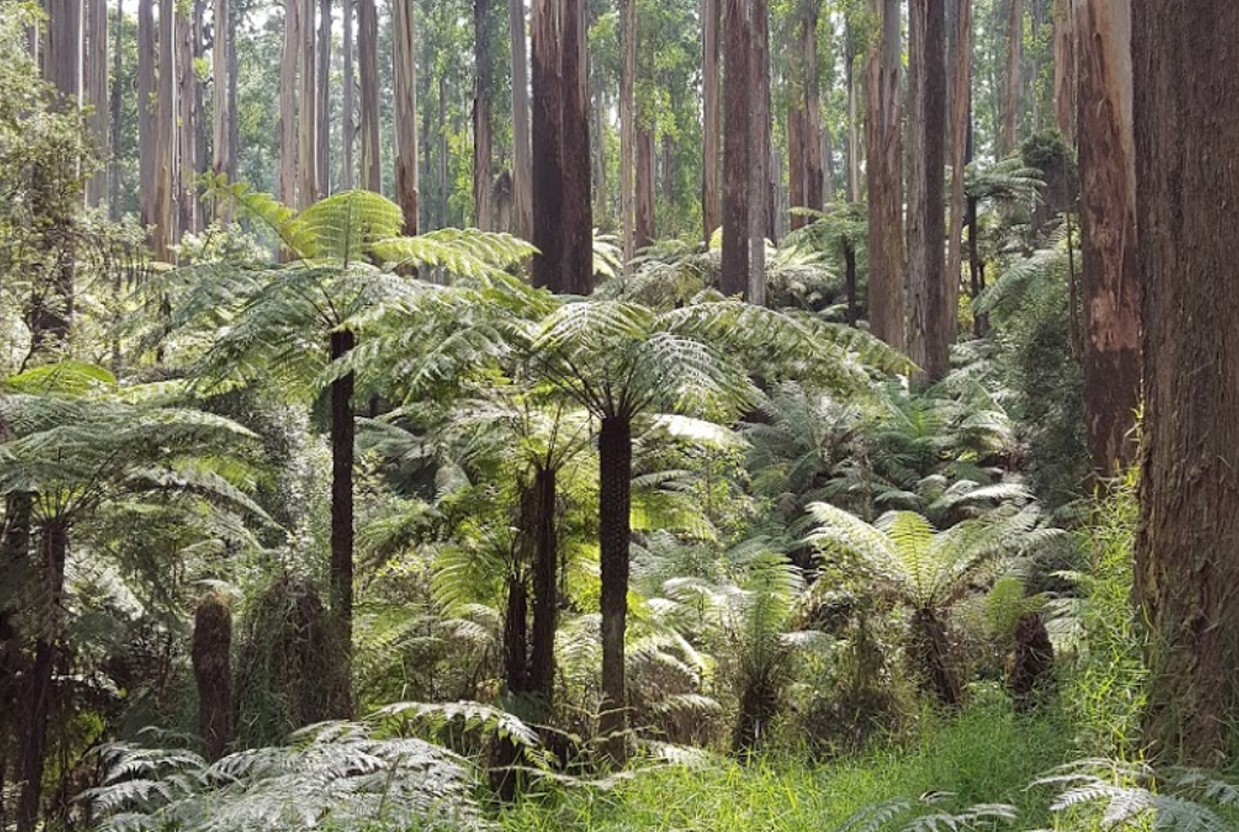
column 117, row 99
column 547, row 137
column 643, row 170
column 405, row 71
column 1187, row 552
column 577, row 261
column 322, row 106
column 928, row 339
column 522, row 159
column 147, row 55
column 628, row 127
column 289, row 64
column 368, row 76
column 482, row 83
column 960, row 98
column 224, row 161
column 850, row 57
column 1065, row 70
column 1014, row 76
column 1108, row 218
column 348, row 123
column 737, row 137
column 163, row 233
column 96, row 97
column 187, row 116
column 884, row 177
column 712, row 115
column 804, row 162
column 307, row 110
column 759, row 148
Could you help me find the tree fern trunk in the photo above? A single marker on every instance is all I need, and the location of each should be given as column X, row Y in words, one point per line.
column 342, row 430
column 615, row 498
column 541, row 519
column 39, row 689
column 211, row 655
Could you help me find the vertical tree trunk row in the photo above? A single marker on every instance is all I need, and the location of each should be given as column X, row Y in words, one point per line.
column 348, row 123
column 884, row 178
column 482, row 180
column 368, row 74
column 960, row 97
column 96, row 97
column 522, row 160
column 577, row 261
column 289, row 64
column 322, row 104
column 405, row 74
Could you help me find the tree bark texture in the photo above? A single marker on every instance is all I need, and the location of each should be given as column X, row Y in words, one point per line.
column 711, row 160
column 540, row 508
column 759, row 148
column 1065, row 70
column 289, row 64
column 307, row 111
column 1108, row 222
column 928, row 338
column 628, row 128
column 147, row 107
column 322, row 103
column 1014, row 76
column 960, row 98
column 348, row 123
column 211, row 653
column 483, row 213
column 737, row 103
column 405, row 79
column 163, row 233
column 368, row 76
column 221, row 115
column 615, row 501
column 341, row 579
column 96, row 72
column 522, row 160
column 884, row 178
column 577, row 256
column 187, row 121
column 644, row 228
column 547, row 146
column 1186, row 71
column 117, row 99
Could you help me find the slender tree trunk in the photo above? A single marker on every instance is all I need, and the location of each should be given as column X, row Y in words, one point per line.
column 482, row 209
column 164, row 231
column 348, row 123
column 737, row 94
column 233, row 129
column 1187, row 551
column 405, row 72
column 1108, row 219
column 307, row 111
column 1014, row 76
column 342, row 440
column 597, row 136
column 211, row 658
column 540, row 516
column 97, row 97
column 815, row 175
column 615, row 483
column 522, row 160
column 854, row 149
column 548, row 191
column 759, row 148
column 40, row 686
column 516, row 634
column 1065, row 70
column 644, row 228
column 668, row 164
column 147, row 133
column 960, row 98
column 368, row 72
column 322, row 114
column 928, row 342
column 442, row 155
column 628, row 128
column 711, row 195
column 849, row 278
column 221, row 115
column 114, row 120
column 884, row 174
column 578, row 218
column 796, row 162
column 187, row 117
column 804, row 168
column 289, row 65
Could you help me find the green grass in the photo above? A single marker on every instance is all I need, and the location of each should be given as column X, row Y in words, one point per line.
column 984, row 755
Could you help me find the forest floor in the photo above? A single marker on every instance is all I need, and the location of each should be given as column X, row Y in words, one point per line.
column 985, row 755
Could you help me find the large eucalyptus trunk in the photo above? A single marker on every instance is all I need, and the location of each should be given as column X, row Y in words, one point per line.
column 186, row 170
column 1014, row 76
column 615, row 503
column 221, row 112
column 737, row 104
column 322, row 107
column 577, row 261
column 117, row 99
column 1187, row 553
column 96, row 72
column 522, row 159
column 628, row 128
column 1065, row 70
column 368, row 72
column 1108, row 218
column 405, row 70
column 928, row 341
column 348, row 123
column 307, row 109
column 289, row 63
column 482, row 156
column 711, row 197
column 884, row 175
column 759, row 148
column 147, row 108
column 854, row 149
column 643, row 229
column 960, row 98
column 163, row 233
column 547, row 137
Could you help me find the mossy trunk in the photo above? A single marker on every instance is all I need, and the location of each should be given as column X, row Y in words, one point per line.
column 211, row 654
column 932, row 658
column 1032, row 662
